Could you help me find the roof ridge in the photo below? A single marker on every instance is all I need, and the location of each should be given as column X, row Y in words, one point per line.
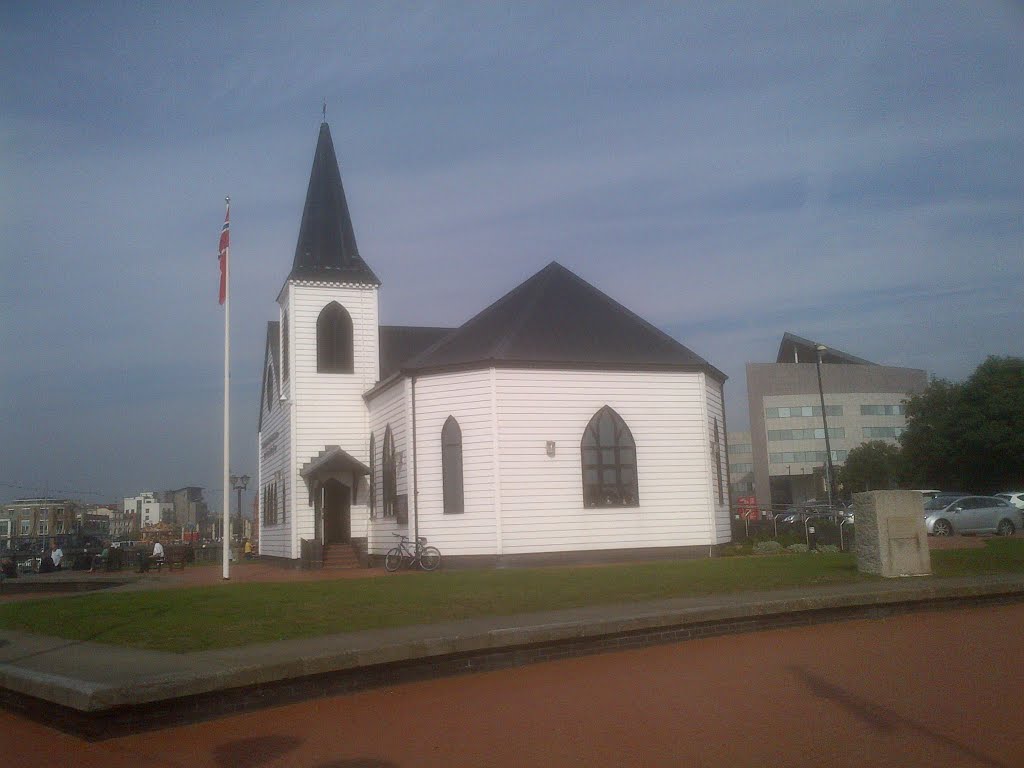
column 626, row 311
column 514, row 328
column 500, row 301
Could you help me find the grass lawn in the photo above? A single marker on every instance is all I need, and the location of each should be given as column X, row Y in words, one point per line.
column 232, row 615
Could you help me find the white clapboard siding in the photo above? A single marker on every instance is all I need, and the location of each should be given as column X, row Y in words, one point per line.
column 389, row 407
column 467, row 397
column 719, row 469
column 542, row 497
column 274, row 452
column 328, row 407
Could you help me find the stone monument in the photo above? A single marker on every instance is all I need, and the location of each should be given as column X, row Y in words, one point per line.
column 890, row 536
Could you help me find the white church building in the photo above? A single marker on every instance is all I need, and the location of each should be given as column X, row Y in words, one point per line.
column 553, row 425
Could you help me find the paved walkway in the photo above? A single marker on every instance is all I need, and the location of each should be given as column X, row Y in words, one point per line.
column 89, row 677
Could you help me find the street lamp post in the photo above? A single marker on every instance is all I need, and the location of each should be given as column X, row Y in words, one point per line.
column 239, row 484
column 829, row 472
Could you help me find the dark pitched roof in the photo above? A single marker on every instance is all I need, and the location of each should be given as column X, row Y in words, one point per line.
column 271, row 352
column 327, row 249
column 797, row 349
column 557, row 318
column 399, row 343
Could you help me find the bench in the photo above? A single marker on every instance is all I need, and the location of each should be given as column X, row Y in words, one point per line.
column 174, row 557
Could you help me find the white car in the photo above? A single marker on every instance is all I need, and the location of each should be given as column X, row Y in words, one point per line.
column 1014, row 497
column 945, row 515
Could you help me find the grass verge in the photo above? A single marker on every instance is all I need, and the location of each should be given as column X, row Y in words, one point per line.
column 201, row 618
column 182, row 620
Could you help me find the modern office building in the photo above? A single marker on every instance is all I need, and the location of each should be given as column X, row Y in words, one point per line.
column 863, row 401
column 741, row 465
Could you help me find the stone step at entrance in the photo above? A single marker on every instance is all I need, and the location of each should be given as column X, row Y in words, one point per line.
column 339, row 557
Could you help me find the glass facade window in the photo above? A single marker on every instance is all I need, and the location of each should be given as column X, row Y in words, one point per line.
column 740, row 448
column 882, row 410
column 876, row 432
column 804, row 457
column 794, row 411
column 805, row 434
column 739, row 469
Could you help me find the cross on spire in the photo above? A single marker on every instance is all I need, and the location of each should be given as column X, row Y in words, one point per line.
column 325, row 110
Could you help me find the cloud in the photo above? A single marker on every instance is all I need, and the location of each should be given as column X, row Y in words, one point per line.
column 850, row 174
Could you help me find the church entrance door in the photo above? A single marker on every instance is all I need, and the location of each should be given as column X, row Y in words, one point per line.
column 337, row 512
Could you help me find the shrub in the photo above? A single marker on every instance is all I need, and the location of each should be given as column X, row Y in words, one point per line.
column 767, row 548
column 797, row 548
column 828, row 549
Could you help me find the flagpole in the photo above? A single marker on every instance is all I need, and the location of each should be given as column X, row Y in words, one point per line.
column 226, row 525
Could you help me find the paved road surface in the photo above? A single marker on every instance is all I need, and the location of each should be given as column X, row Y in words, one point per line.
column 932, row 689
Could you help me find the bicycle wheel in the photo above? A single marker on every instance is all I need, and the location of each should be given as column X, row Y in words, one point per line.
column 393, row 560
column 430, row 558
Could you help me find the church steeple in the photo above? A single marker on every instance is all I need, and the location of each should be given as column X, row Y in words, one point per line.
column 327, row 242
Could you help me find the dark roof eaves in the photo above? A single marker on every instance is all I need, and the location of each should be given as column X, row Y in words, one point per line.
column 556, row 365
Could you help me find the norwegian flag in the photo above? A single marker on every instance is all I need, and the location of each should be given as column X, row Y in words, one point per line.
column 225, row 238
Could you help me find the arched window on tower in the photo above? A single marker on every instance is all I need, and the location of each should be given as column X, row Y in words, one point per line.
column 608, row 455
column 334, row 340
column 451, row 467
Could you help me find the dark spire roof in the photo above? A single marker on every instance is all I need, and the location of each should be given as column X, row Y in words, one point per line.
column 327, row 242
column 797, row 349
column 557, row 318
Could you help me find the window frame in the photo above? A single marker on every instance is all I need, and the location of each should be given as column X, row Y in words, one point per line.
column 603, row 494
column 453, row 490
column 389, row 474
column 335, row 350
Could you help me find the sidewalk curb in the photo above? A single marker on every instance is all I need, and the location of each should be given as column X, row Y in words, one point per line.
column 190, row 687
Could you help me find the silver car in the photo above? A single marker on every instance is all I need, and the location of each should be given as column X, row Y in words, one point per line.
column 944, row 516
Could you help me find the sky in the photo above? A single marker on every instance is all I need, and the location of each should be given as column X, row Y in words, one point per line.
column 852, row 173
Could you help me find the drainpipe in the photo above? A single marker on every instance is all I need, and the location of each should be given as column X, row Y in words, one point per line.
column 415, row 468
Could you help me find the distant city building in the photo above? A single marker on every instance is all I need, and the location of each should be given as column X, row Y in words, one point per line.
column 863, row 401
column 146, row 509
column 40, row 517
column 190, row 510
column 741, row 465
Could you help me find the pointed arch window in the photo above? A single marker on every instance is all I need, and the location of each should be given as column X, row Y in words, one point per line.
column 284, row 347
column 390, row 474
column 608, row 454
column 334, row 340
column 270, row 388
column 373, row 475
column 451, row 468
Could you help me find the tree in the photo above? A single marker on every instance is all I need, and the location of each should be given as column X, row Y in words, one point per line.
column 872, row 466
column 969, row 436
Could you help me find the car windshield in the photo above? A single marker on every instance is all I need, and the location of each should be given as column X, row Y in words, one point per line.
column 939, row 502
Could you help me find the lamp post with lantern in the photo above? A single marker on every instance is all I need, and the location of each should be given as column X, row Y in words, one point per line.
column 239, row 483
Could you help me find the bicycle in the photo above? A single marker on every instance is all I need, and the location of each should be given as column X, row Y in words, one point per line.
column 402, row 556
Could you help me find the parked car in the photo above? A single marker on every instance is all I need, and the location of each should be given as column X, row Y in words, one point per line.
column 1014, row 497
column 944, row 516
column 929, row 493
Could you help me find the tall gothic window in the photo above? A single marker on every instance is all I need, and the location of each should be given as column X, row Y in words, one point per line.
column 284, row 347
column 373, row 475
column 716, row 455
column 334, row 340
column 608, row 455
column 390, row 474
column 451, row 468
